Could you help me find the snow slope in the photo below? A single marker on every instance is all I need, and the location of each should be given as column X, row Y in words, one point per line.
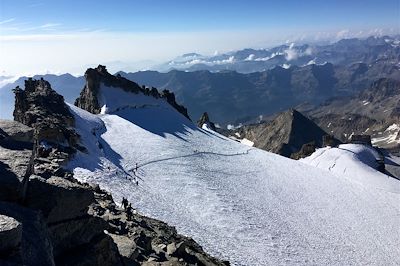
column 356, row 162
column 242, row 204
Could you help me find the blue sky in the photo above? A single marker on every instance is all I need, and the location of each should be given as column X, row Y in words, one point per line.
column 158, row 30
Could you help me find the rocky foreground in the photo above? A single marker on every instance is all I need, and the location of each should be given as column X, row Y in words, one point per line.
column 49, row 218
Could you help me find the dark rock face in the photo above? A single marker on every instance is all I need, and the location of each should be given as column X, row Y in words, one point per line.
column 361, row 139
column 15, row 159
column 204, row 119
column 285, row 134
column 57, row 198
column 40, row 107
column 35, row 248
column 39, row 101
column 94, row 77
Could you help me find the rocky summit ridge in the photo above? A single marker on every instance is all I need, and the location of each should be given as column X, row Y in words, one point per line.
column 88, row 98
column 47, row 217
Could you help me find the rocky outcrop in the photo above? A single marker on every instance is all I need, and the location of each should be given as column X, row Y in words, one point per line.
column 285, row 134
column 40, row 107
column 16, row 131
column 38, row 101
column 15, row 159
column 149, row 241
column 57, row 198
column 49, row 218
column 88, row 98
column 10, row 234
column 204, row 119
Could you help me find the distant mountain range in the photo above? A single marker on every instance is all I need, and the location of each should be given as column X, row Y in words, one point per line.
column 343, row 52
column 232, row 97
column 315, row 74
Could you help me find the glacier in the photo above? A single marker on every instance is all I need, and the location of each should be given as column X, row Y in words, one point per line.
column 241, row 204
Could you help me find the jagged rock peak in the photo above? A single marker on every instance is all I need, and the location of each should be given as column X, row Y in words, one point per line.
column 95, row 76
column 42, row 108
column 205, row 119
column 39, row 101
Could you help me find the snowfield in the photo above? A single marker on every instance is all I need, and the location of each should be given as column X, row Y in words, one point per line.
column 355, row 162
column 240, row 203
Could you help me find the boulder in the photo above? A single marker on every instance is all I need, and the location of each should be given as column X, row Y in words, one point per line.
column 16, row 131
column 58, row 198
column 126, row 247
column 10, row 233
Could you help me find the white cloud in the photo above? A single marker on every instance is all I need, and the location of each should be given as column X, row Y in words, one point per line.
column 342, row 34
column 250, row 57
column 268, row 57
column 308, row 51
column 7, row 21
column 49, row 25
column 37, row 37
column 29, row 49
column 291, row 53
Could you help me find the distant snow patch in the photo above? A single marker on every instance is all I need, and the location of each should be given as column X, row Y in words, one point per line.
column 232, row 127
column 389, row 136
column 104, row 110
column 311, row 62
column 247, row 142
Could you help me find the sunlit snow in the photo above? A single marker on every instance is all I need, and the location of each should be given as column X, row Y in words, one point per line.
column 240, row 203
